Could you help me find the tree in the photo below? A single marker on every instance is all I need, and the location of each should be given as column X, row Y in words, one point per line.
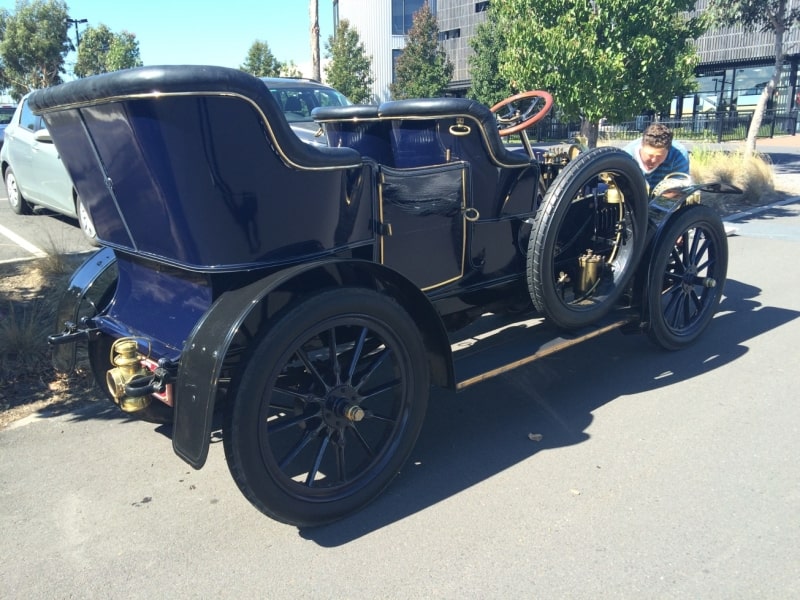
column 313, row 11
column 488, row 87
column 260, row 61
column 290, row 69
column 423, row 69
column 777, row 16
column 34, row 45
column 350, row 68
column 3, row 18
column 599, row 58
column 102, row 51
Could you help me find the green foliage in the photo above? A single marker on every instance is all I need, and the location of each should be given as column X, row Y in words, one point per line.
column 754, row 15
column 488, row 87
column 599, row 58
column 260, row 61
column 423, row 69
column 33, row 46
column 290, row 69
column 102, row 51
column 350, row 68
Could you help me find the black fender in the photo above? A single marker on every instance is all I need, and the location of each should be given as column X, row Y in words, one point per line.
column 208, row 344
column 83, row 292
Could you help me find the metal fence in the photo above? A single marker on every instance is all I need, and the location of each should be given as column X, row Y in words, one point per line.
column 714, row 127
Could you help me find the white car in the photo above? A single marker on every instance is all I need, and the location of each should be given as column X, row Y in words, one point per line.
column 33, row 172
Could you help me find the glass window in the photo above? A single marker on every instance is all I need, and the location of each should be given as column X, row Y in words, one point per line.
column 403, row 14
column 27, row 119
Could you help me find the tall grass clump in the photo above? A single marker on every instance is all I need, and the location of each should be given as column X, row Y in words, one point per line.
column 753, row 175
column 23, row 337
column 28, row 307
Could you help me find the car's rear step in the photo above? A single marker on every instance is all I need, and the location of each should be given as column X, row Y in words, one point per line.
column 494, row 344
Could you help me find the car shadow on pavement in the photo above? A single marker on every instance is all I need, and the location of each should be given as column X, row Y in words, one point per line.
column 474, row 435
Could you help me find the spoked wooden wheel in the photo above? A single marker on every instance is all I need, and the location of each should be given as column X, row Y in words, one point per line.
column 690, row 265
column 328, row 408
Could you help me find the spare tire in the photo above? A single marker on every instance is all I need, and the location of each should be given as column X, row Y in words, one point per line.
column 588, row 237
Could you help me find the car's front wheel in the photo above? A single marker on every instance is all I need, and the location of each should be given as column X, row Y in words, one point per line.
column 688, row 272
column 15, row 199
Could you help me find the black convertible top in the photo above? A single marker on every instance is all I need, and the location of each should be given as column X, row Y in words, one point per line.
column 191, row 79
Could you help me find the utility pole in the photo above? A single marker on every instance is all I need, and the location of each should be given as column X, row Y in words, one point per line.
column 313, row 9
column 76, row 22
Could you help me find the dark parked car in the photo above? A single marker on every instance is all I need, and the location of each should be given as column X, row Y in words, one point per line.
column 297, row 98
column 6, row 112
column 34, row 173
column 312, row 294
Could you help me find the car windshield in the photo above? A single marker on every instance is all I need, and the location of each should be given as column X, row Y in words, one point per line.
column 298, row 102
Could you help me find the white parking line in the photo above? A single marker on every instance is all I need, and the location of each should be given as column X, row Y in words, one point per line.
column 22, row 243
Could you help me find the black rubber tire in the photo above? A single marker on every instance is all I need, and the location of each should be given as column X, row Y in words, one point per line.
column 289, row 446
column 691, row 253
column 571, row 221
column 99, row 350
column 15, row 199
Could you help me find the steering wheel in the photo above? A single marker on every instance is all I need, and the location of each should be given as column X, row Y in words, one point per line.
column 516, row 119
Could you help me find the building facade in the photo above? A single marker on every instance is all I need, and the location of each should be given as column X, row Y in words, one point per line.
column 734, row 65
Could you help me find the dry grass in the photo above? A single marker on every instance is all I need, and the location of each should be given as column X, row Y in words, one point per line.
column 29, row 298
column 753, row 175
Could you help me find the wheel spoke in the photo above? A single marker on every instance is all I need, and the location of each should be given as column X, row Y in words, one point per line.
column 312, row 369
column 298, row 447
column 312, row 474
column 289, row 421
column 364, row 443
column 673, row 306
column 334, row 355
column 676, row 312
column 372, row 368
column 380, row 389
column 696, row 300
column 676, row 260
column 294, row 394
column 375, row 416
column 357, row 353
column 341, row 463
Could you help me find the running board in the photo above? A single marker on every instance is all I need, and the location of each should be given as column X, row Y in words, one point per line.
column 494, row 345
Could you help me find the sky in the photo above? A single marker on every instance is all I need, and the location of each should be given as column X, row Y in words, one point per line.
column 207, row 33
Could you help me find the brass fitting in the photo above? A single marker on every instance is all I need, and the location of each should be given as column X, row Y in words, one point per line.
column 591, row 267
column 127, row 365
column 613, row 193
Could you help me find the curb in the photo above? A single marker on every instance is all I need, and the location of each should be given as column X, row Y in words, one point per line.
column 760, row 209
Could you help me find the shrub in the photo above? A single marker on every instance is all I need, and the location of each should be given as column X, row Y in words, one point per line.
column 753, row 175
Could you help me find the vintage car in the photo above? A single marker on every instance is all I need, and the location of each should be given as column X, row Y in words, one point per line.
column 312, row 295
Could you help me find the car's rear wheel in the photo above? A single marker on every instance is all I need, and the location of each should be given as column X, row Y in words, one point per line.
column 18, row 204
column 328, row 406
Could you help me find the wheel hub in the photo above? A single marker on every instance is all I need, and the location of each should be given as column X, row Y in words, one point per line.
column 341, row 409
column 688, row 278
